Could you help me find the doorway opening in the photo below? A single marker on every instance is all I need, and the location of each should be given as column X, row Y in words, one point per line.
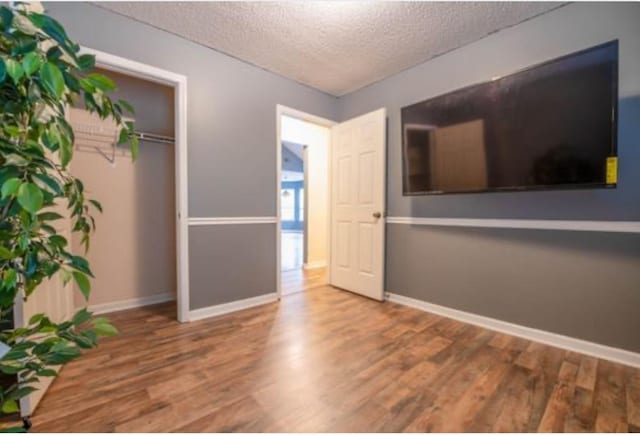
column 178, row 168
column 133, row 254
column 303, row 193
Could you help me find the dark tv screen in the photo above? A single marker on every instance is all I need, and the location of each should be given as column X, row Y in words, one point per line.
column 546, row 127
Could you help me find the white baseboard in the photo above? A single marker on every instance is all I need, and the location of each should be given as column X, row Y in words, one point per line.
column 127, row 304
column 314, row 265
column 218, row 310
column 562, row 341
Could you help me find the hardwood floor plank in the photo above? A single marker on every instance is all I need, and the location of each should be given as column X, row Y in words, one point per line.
column 588, row 373
column 633, row 398
column 582, row 413
column 465, row 410
column 557, row 407
column 517, row 409
column 611, row 399
column 238, row 416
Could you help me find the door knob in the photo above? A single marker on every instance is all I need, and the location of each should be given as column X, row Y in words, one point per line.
column 377, row 215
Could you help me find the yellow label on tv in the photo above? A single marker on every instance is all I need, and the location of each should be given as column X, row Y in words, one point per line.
column 612, row 170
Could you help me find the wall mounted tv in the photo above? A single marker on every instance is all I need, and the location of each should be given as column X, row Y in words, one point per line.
column 550, row 126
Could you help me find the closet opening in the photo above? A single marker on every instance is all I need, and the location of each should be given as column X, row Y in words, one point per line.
column 303, row 200
column 133, row 252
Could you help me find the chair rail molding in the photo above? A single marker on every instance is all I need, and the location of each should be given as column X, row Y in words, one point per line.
column 243, row 220
column 531, row 224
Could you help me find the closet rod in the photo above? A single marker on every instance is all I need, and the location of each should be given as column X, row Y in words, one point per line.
column 151, row 137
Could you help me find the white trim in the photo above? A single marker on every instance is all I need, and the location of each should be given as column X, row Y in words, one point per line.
column 303, row 116
column 218, row 310
column 314, row 265
column 562, row 341
column 133, row 68
column 200, row 221
column 127, row 304
column 533, row 224
column 179, row 83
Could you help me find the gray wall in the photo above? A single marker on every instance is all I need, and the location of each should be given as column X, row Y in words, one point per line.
column 585, row 285
column 239, row 260
column 231, row 136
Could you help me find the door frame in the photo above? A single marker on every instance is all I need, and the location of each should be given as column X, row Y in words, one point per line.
column 313, row 119
column 179, row 83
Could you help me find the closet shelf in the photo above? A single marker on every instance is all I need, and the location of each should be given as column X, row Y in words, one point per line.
column 152, row 137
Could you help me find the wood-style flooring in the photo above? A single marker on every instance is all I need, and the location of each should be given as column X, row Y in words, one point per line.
column 297, row 280
column 327, row 360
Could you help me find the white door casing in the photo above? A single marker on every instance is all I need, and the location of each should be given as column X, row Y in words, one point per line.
column 358, row 183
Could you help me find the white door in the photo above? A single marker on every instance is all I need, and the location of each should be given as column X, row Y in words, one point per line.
column 358, row 180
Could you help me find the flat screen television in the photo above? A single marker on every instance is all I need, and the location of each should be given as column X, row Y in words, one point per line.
column 550, row 126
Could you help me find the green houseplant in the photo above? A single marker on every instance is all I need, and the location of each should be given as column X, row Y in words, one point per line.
column 42, row 73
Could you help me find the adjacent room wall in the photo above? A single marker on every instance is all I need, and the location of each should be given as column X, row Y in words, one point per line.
column 231, row 143
column 317, row 203
column 133, row 253
column 580, row 284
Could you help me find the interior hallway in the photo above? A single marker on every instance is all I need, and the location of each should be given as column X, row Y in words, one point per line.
column 328, row 360
column 291, row 250
column 294, row 278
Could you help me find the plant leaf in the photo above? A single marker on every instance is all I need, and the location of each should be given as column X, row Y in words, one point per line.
column 48, row 183
column 86, row 62
column 66, row 275
column 9, row 407
column 47, row 373
column 58, row 240
column 52, row 28
column 36, row 318
column 81, row 316
column 6, row 17
column 3, row 70
column 30, row 197
column 10, row 187
column 49, row 216
column 31, row 63
column 96, row 204
column 66, row 153
column 52, row 78
column 105, row 329
column 14, row 69
column 123, row 136
column 101, row 82
column 81, row 264
column 128, row 107
column 135, row 148
column 16, row 160
column 5, row 254
column 83, row 283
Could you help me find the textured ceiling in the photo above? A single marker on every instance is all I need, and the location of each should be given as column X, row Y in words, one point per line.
column 334, row 46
